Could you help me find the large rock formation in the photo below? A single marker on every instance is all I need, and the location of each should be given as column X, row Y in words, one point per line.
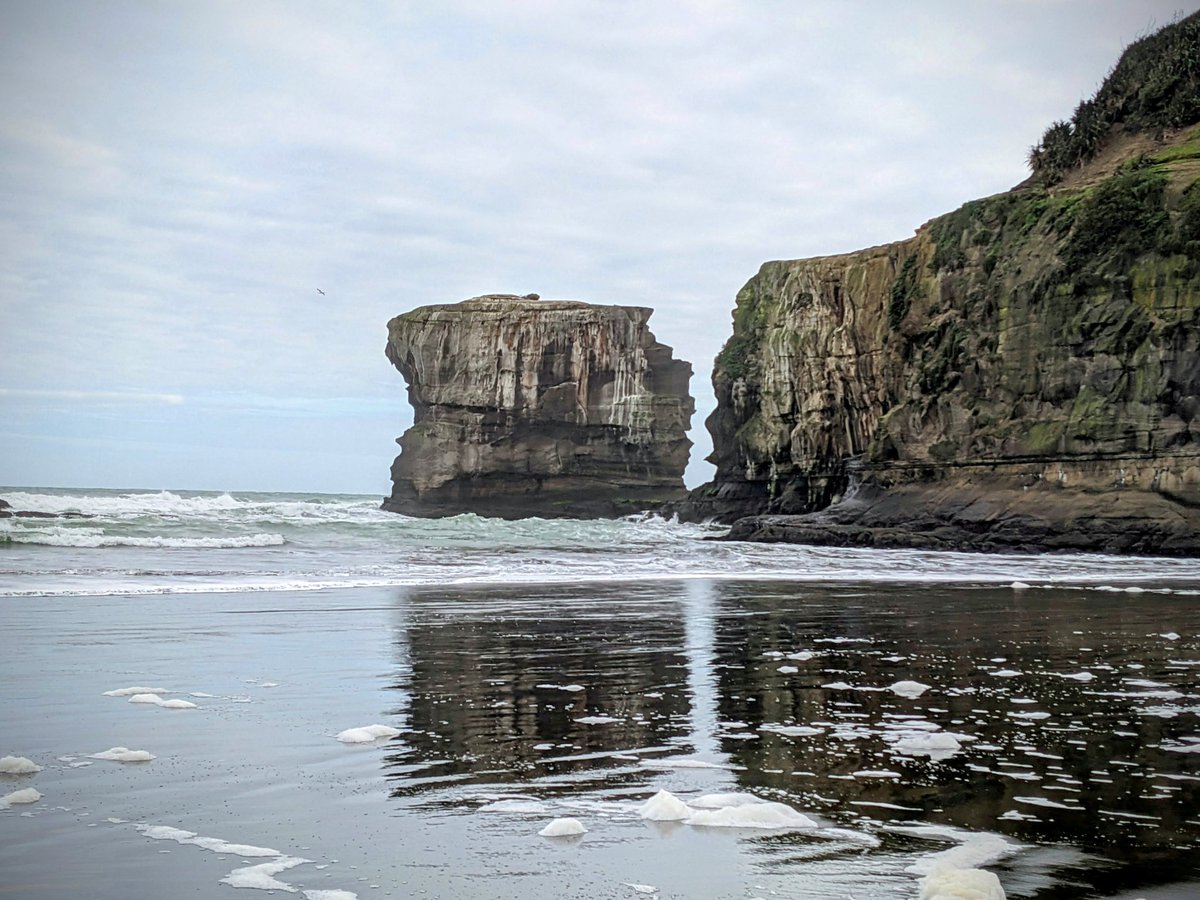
column 527, row 407
column 1022, row 373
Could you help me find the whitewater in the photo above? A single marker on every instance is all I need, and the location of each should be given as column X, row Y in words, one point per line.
column 165, row 542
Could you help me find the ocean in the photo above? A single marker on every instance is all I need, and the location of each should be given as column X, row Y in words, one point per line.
column 825, row 722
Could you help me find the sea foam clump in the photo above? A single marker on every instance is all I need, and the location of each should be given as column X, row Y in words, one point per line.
column 723, row 801
column 18, row 765
column 28, row 795
column 954, row 874
column 367, row 733
column 664, row 807
column 123, row 754
column 563, row 828
column 910, row 689
column 752, row 815
column 961, row 884
column 936, row 745
column 262, row 876
column 155, row 700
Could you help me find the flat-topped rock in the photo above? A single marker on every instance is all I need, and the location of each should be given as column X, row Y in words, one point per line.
column 530, row 407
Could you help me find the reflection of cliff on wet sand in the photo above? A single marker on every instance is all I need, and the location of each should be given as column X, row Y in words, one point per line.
column 1059, row 702
column 500, row 681
column 1056, row 717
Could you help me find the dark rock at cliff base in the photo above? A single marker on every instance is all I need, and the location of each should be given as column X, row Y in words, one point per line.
column 526, row 407
column 989, row 516
column 1022, row 373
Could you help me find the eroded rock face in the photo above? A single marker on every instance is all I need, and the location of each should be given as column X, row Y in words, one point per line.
column 1023, row 372
column 527, row 407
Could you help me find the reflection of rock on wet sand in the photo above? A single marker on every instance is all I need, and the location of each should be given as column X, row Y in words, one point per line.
column 862, row 707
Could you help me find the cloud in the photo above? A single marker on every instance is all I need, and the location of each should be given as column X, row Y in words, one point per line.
column 176, row 181
column 94, row 396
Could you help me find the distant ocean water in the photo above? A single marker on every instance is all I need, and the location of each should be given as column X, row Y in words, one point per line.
column 161, row 542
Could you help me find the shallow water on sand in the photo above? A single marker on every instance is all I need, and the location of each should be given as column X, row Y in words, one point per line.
column 1055, row 741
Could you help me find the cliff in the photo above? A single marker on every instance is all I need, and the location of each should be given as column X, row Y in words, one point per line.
column 1023, row 373
column 527, row 407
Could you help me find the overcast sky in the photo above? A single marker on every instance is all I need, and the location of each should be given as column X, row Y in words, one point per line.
column 177, row 179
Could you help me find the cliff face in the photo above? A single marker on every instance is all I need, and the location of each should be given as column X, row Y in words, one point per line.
column 549, row 408
column 1023, row 372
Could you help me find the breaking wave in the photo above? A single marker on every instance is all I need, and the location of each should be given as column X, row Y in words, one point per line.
column 139, row 542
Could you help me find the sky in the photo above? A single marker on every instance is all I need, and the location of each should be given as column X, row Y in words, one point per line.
column 177, row 181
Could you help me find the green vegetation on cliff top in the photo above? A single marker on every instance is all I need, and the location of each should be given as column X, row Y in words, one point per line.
column 1154, row 85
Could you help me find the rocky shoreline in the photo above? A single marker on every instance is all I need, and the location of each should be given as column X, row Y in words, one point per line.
column 7, row 512
column 988, row 519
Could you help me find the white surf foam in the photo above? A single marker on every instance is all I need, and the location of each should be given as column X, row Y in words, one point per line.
column 65, row 536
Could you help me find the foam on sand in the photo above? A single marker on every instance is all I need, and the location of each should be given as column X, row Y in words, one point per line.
column 563, row 828
column 791, row 730
column 640, row 888
column 664, row 807
column 28, row 795
column 155, row 700
column 367, row 733
column 216, row 845
column 18, row 765
column 936, row 745
column 123, row 754
column 331, row 895
column 777, row 816
column 961, row 884
column 910, row 689
column 956, row 873
column 262, row 876
column 723, row 801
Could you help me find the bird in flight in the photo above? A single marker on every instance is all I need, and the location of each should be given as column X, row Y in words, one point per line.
column 321, row 292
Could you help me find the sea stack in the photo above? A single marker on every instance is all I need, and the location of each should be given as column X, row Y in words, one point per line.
column 527, row 407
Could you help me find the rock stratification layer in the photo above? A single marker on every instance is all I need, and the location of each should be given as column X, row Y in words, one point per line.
column 1023, row 373
column 526, row 407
